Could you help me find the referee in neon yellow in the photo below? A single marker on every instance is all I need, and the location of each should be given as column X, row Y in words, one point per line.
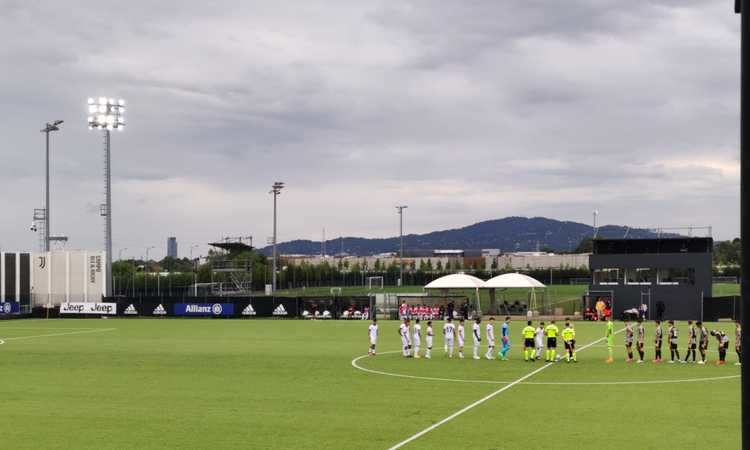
column 528, row 342
column 569, row 337
column 551, row 331
column 610, row 339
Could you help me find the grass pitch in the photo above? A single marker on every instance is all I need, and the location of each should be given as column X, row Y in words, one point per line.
column 278, row 384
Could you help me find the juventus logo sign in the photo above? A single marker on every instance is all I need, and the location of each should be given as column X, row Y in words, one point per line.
column 42, row 262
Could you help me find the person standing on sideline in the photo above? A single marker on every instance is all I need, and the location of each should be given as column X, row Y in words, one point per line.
column 405, row 339
column 449, row 333
column 738, row 342
column 551, row 331
column 673, row 340
column 461, row 339
column 417, row 337
column 372, row 333
column 692, row 337
column 528, row 342
column 610, row 339
column 641, row 340
column 490, row 339
column 476, row 332
column 658, row 335
column 629, row 340
column 428, row 339
column 505, row 338
column 539, row 340
column 702, row 342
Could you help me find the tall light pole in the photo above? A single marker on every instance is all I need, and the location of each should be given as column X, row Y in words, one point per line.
column 275, row 190
column 195, row 271
column 145, row 269
column 743, row 7
column 48, row 128
column 107, row 115
column 401, row 209
column 596, row 229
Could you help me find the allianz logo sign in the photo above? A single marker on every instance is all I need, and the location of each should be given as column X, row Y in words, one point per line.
column 215, row 309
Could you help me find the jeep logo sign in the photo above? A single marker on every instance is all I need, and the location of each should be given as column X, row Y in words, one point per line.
column 106, row 309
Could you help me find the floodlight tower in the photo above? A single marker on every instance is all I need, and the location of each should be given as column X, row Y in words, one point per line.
column 401, row 209
column 106, row 114
column 275, row 190
column 48, row 128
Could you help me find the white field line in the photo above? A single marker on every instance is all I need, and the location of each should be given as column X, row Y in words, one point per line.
column 484, row 399
column 48, row 328
column 98, row 330
column 415, row 377
column 539, row 383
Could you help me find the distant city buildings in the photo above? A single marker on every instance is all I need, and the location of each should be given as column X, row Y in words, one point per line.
column 172, row 247
column 455, row 259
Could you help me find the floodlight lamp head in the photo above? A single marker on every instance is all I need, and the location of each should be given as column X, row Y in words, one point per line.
column 106, row 114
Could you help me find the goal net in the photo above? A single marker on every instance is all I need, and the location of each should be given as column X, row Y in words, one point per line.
column 375, row 282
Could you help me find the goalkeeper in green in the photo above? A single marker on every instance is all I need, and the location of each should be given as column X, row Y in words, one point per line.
column 610, row 339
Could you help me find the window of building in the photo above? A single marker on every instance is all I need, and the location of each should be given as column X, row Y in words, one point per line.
column 607, row 276
column 676, row 276
column 638, row 276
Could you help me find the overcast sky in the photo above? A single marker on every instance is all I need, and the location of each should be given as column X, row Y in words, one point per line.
column 465, row 111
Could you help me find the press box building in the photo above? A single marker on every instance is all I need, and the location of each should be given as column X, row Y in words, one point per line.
column 671, row 275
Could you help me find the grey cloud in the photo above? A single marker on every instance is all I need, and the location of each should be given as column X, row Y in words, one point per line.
column 465, row 111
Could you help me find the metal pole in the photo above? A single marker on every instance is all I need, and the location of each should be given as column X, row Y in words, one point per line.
column 46, row 195
column 108, row 212
column 743, row 7
column 195, row 271
column 273, row 275
column 401, row 242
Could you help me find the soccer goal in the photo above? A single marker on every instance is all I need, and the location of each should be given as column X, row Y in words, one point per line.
column 374, row 282
column 336, row 291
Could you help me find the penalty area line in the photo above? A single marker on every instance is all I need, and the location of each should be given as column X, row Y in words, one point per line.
column 18, row 338
column 486, row 398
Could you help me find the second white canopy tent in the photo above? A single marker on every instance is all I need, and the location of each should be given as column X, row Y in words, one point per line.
column 505, row 281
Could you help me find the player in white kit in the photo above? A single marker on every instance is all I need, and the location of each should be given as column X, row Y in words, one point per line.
column 490, row 330
column 539, row 340
column 417, row 337
column 460, row 334
column 476, row 332
column 428, row 338
column 403, row 331
column 372, row 333
column 449, row 332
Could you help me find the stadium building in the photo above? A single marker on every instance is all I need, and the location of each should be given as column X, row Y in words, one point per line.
column 671, row 276
column 29, row 280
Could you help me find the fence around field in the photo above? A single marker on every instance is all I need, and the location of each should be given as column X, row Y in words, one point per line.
column 722, row 308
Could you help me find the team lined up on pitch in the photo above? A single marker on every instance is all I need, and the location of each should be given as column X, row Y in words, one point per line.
column 534, row 339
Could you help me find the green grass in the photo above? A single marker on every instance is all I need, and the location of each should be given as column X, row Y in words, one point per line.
column 722, row 289
column 278, row 384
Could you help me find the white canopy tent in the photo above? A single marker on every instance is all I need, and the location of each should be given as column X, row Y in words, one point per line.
column 458, row 281
column 514, row 280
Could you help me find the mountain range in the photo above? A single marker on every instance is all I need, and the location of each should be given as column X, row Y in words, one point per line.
column 510, row 234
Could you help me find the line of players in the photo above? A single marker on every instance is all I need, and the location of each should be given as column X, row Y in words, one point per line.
column 698, row 337
column 411, row 339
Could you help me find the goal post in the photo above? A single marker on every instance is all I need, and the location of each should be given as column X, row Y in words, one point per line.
column 376, row 282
